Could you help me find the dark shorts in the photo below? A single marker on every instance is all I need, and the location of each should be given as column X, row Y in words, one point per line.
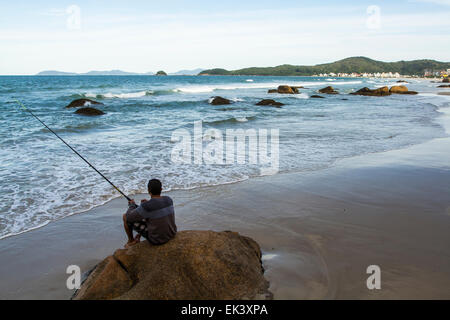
column 140, row 227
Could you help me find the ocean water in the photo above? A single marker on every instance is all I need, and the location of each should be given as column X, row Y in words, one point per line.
column 41, row 180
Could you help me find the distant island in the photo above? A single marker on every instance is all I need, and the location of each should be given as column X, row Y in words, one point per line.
column 193, row 72
column 354, row 66
column 115, row 73
column 91, row 73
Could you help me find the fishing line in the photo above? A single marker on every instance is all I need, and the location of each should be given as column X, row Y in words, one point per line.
column 76, row 152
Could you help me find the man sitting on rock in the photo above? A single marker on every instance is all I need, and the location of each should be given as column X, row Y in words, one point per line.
column 154, row 219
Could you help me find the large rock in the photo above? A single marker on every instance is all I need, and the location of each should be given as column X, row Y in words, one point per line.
column 398, row 89
column 270, row 102
column 161, row 73
column 193, row 265
column 219, row 101
column 82, row 103
column 287, row 89
column 328, row 90
column 383, row 91
column 88, row 111
column 401, row 90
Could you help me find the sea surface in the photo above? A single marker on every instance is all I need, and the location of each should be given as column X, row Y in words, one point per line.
column 41, row 180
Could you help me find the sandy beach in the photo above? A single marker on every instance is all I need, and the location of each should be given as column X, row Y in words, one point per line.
column 318, row 231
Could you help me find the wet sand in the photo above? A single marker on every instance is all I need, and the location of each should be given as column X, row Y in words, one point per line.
column 318, row 231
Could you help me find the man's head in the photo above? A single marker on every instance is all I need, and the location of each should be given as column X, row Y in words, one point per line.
column 154, row 187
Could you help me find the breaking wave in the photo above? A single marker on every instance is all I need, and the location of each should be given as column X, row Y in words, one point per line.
column 230, row 120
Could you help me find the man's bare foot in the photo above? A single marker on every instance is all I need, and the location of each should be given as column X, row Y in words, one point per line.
column 130, row 244
column 136, row 240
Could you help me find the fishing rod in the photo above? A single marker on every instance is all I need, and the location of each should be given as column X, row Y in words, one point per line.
column 76, row 152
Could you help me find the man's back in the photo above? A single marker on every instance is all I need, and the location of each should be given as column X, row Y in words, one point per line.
column 159, row 215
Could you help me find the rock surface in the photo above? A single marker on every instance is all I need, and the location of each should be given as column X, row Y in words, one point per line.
column 193, row 265
column 328, row 90
column 384, row 91
column 81, row 103
column 88, row 111
column 401, row 90
column 217, row 101
column 284, row 89
column 270, row 102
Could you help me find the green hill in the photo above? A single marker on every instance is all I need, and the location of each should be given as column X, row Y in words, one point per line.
column 348, row 65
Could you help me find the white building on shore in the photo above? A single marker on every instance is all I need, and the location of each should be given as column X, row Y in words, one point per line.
column 364, row 75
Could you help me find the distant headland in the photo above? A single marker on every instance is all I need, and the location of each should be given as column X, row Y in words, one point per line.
column 116, row 73
column 354, row 66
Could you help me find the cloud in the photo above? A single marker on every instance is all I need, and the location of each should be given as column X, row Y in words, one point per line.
column 54, row 12
column 439, row 2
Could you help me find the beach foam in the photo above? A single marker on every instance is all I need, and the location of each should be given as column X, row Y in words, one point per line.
column 127, row 95
column 254, row 85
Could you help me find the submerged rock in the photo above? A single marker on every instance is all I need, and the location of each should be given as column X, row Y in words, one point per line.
column 401, row 90
column 328, row 90
column 317, row 96
column 194, row 265
column 444, row 86
column 81, row 103
column 402, row 81
column 219, row 101
column 270, row 102
column 384, row 91
column 88, row 111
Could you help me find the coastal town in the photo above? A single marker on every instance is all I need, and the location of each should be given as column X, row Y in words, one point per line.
column 427, row 74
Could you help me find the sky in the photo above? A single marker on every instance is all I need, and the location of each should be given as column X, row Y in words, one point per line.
column 142, row 36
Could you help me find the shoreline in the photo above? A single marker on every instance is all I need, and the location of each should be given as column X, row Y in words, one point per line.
column 317, row 230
